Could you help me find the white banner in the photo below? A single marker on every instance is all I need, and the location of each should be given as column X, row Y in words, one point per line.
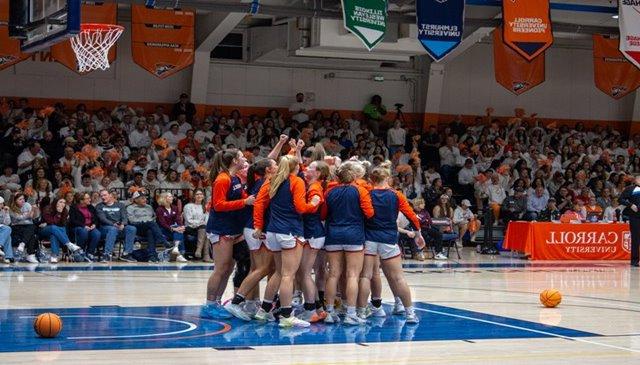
column 629, row 20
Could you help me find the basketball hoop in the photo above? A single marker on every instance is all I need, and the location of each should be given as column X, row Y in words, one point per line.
column 92, row 45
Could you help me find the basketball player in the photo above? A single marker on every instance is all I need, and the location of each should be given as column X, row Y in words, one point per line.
column 630, row 198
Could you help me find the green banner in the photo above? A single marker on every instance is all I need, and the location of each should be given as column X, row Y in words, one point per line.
column 367, row 19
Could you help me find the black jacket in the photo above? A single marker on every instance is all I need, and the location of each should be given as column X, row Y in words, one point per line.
column 76, row 219
column 630, row 195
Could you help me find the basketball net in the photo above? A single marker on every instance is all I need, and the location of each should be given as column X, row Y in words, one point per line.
column 92, row 45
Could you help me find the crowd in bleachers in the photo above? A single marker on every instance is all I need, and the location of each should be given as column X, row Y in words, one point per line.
column 94, row 183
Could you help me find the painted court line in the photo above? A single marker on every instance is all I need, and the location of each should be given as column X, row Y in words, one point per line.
column 190, row 326
column 528, row 330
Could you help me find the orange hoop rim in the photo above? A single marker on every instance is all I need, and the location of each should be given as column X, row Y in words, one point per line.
column 101, row 27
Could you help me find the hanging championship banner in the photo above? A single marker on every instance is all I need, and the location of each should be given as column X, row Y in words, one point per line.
column 629, row 21
column 440, row 24
column 613, row 74
column 366, row 19
column 10, row 53
column 527, row 26
column 512, row 71
column 162, row 40
column 97, row 12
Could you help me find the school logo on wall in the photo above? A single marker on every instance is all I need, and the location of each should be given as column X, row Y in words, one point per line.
column 162, row 68
column 440, row 26
column 618, row 90
column 519, row 87
column 7, row 59
column 366, row 19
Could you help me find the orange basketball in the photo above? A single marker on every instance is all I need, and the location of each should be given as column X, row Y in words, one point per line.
column 47, row 325
column 550, row 298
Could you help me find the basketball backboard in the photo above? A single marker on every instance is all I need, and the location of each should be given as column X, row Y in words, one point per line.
column 40, row 23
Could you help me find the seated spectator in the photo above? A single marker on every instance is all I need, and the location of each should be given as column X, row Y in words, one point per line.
column 83, row 222
column 55, row 217
column 112, row 217
column 550, row 213
column 142, row 216
column 23, row 229
column 9, row 183
column 572, row 215
column 496, row 196
column 443, row 209
column 407, row 233
column 613, row 212
column 170, row 221
column 513, row 207
column 195, row 219
column 536, row 203
column 428, row 231
column 6, row 251
column 464, row 221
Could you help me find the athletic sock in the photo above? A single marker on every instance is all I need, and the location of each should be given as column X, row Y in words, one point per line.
column 409, row 310
column 351, row 311
column 212, row 302
column 398, row 300
column 329, row 308
column 319, row 304
column 309, row 306
column 237, row 299
column 267, row 305
column 376, row 302
column 321, row 296
column 285, row 311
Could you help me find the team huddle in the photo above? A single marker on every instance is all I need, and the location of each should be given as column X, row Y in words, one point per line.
column 312, row 224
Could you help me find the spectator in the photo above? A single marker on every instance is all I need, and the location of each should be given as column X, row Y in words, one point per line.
column 443, row 209
column 593, row 209
column 462, row 219
column 449, row 153
column 23, row 230
column 83, row 222
column 6, row 251
column 514, row 207
column 9, row 183
column 536, row 203
column 298, row 110
column 375, row 112
column 396, row 137
column 173, row 135
column 112, row 217
column 550, row 213
column 428, row 231
column 170, row 221
column 195, row 219
column 142, row 216
column 496, row 195
column 183, row 106
column 55, row 218
column 613, row 212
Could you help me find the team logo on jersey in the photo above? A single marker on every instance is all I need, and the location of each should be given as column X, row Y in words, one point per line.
column 518, row 86
column 7, row 59
column 626, row 241
column 442, row 1
column 163, row 68
column 617, row 90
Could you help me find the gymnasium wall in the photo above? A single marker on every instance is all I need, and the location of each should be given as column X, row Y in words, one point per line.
column 569, row 91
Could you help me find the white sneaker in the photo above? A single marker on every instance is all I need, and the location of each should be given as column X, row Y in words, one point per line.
column 53, row 260
column 363, row 313
column 332, row 318
column 293, row 321
column 32, row 259
column 20, row 248
column 398, row 308
column 378, row 312
column 412, row 318
column 73, row 247
column 441, row 256
column 237, row 311
column 1, row 252
column 353, row 320
column 264, row 316
column 181, row 258
column 459, row 244
column 297, row 301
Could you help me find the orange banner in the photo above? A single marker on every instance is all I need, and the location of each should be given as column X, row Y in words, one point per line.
column 614, row 75
column 512, row 71
column 102, row 13
column 10, row 53
column 162, row 41
column 527, row 26
column 559, row 241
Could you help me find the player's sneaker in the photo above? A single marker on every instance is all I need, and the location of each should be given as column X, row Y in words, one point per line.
column 237, row 311
column 412, row 318
column 332, row 318
column 292, row 321
column 264, row 316
column 398, row 308
column 214, row 311
column 377, row 312
column 353, row 320
column 310, row 316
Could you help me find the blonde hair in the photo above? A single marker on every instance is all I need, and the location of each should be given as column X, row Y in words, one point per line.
column 346, row 172
column 286, row 166
column 380, row 174
column 417, row 201
column 162, row 199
